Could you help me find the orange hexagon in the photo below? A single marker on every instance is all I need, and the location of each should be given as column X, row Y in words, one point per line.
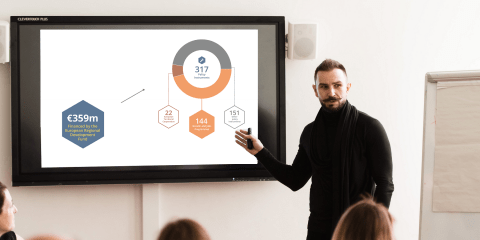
column 202, row 124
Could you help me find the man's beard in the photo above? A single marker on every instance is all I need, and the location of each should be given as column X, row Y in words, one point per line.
column 333, row 109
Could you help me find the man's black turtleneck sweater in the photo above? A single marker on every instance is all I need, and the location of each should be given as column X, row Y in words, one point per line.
column 372, row 154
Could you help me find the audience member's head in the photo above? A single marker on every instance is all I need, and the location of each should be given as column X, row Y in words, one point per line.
column 365, row 220
column 7, row 210
column 183, row 229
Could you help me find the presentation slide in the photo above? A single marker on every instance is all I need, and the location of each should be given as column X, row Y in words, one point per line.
column 147, row 97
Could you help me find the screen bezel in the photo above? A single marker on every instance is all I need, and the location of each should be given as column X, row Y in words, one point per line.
column 114, row 175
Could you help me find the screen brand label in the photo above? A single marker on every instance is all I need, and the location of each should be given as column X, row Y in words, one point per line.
column 32, row 19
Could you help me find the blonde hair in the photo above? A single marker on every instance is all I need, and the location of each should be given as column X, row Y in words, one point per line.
column 183, row 229
column 366, row 220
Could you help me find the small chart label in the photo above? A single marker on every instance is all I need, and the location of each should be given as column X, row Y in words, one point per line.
column 234, row 117
column 168, row 116
column 201, row 69
column 202, row 124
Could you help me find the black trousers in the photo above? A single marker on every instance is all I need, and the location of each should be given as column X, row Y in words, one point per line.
column 313, row 235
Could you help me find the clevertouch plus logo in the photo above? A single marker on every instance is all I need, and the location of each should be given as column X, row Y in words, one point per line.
column 20, row 19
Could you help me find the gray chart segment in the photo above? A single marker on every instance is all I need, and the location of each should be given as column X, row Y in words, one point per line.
column 203, row 44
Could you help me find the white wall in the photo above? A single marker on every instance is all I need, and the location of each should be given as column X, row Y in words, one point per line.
column 386, row 46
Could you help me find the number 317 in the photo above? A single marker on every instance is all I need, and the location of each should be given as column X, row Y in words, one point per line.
column 200, row 69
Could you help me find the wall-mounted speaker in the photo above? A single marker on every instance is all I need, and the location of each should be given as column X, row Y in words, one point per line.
column 4, row 42
column 302, row 41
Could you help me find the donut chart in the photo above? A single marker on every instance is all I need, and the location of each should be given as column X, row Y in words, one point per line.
column 202, row 69
column 178, row 71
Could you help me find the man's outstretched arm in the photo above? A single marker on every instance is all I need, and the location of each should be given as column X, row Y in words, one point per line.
column 293, row 176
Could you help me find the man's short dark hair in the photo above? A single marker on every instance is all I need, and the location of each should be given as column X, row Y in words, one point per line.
column 328, row 65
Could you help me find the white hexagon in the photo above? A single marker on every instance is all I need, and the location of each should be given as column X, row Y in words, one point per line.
column 234, row 117
column 168, row 116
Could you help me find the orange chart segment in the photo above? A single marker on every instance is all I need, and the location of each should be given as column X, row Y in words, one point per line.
column 207, row 92
column 177, row 70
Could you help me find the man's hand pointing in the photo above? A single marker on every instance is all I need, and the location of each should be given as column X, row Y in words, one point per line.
column 241, row 137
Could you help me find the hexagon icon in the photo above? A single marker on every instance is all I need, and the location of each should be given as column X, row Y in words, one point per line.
column 168, row 116
column 234, row 117
column 202, row 124
column 83, row 124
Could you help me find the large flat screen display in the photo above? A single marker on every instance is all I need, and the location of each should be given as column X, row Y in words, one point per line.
column 144, row 99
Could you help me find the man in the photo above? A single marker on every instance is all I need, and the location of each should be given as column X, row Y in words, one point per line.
column 345, row 151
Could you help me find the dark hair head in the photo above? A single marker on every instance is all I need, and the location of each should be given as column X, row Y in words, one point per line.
column 183, row 229
column 2, row 195
column 328, row 65
column 365, row 220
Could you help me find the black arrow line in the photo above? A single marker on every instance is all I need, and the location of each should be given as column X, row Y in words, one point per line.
column 133, row 95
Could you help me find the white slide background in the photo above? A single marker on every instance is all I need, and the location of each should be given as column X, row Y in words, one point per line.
column 105, row 67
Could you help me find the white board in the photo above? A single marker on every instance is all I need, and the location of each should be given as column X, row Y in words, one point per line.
column 441, row 225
